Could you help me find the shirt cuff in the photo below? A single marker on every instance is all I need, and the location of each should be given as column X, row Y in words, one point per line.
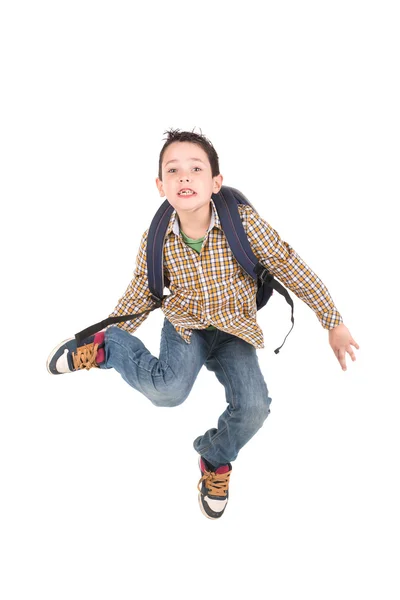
column 330, row 319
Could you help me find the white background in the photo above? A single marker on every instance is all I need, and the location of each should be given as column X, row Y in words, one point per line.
column 98, row 495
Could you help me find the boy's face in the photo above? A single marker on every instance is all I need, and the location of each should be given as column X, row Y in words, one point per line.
column 186, row 165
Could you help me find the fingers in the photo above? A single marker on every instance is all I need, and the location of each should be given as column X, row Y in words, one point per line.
column 350, row 351
column 341, row 356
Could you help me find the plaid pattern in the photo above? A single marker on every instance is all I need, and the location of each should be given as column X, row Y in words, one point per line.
column 211, row 288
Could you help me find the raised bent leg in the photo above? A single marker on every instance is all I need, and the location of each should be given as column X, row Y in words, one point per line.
column 165, row 381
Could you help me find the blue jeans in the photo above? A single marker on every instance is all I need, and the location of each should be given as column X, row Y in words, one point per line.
column 168, row 380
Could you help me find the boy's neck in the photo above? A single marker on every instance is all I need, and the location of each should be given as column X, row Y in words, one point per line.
column 195, row 225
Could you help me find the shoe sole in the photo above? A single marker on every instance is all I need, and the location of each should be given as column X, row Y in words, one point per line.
column 204, row 512
column 52, row 353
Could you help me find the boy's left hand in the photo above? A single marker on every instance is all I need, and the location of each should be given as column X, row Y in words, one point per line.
column 341, row 341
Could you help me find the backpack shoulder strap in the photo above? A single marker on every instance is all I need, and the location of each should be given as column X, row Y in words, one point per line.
column 226, row 202
column 155, row 249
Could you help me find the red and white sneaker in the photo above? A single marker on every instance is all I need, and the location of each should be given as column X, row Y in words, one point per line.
column 214, row 492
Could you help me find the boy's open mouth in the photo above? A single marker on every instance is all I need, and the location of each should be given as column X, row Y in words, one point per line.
column 186, row 192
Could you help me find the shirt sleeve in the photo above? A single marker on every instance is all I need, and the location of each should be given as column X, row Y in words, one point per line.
column 289, row 268
column 137, row 296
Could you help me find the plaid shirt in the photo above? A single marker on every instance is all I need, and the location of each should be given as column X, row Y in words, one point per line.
column 211, row 289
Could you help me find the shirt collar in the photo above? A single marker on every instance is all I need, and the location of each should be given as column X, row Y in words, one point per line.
column 174, row 221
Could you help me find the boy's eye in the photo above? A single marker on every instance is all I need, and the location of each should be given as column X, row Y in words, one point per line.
column 173, row 169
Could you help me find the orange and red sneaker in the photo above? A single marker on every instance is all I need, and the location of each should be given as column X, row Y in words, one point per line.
column 214, row 490
column 67, row 358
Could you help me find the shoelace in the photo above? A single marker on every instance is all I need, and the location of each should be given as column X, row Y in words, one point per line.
column 217, row 484
column 85, row 357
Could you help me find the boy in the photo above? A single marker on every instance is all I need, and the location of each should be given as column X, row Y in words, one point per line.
column 210, row 314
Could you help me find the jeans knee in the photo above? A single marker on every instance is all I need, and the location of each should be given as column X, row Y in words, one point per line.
column 169, row 399
column 258, row 411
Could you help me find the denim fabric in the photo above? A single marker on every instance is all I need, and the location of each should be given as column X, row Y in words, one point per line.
column 168, row 380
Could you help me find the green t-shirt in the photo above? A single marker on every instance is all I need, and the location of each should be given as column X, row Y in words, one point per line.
column 196, row 245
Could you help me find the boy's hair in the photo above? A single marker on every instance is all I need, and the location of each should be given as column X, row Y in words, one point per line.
column 175, row 135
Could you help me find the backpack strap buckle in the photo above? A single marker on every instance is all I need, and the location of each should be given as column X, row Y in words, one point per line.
column 157, row 300
column 263, row 273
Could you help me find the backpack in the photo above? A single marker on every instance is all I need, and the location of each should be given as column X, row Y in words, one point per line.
column 226, row 202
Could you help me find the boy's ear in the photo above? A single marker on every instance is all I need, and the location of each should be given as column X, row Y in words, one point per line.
column 160, row 188
column 217, row 183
